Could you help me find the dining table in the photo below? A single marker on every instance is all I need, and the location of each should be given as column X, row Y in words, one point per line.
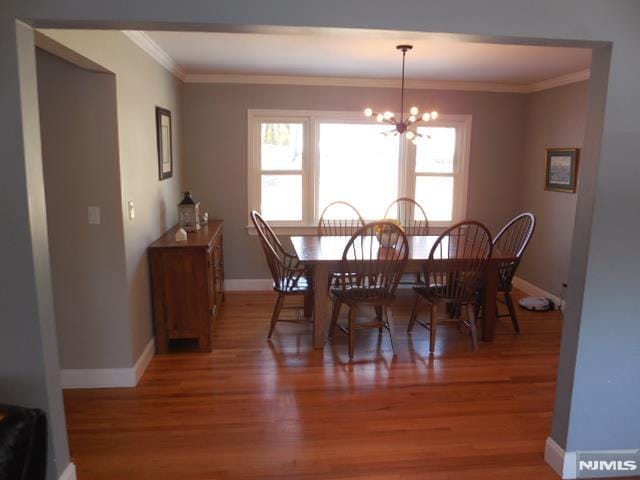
column 323, row 254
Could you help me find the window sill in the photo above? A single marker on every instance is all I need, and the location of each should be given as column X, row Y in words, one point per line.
column 287, row 231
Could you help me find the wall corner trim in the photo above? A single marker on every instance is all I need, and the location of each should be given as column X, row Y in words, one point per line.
column 69, row 473
column 108, row 377
column 567, row 79
column 563, row 463
column 151, row 48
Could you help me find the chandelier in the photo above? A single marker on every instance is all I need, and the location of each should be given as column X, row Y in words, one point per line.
column 400, row 124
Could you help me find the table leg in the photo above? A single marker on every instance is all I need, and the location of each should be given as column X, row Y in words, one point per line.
column 320, row 287
column 490, row 299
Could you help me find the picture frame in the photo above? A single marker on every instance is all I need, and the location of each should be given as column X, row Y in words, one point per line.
column 561, row 169
column 164, row 142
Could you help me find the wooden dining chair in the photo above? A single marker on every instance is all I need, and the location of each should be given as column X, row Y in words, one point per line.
column 512, row 241
column 339, row 219
column 371, row 266
column 455, row 271
column 410, row 214
column 290, row 277
column 414, row 222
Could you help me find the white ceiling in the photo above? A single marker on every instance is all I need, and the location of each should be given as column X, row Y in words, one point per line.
column 364, row 54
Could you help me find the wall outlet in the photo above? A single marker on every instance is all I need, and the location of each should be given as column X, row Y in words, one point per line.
column 132, row 211
column 94, row 215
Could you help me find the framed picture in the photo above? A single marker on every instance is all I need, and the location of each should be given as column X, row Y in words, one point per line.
column 561, row 169
column 165, row 150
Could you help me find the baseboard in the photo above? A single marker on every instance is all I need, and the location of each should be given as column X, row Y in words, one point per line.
column 108, row 377
column 535, row 291
column 563, row 463
column 69, row 473
column 143, row 360
column 248, row 284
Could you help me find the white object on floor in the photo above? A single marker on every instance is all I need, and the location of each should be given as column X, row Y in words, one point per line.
column 537, row 304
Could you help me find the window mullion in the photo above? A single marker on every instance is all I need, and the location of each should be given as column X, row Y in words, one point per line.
column 309, row 177
column 410, row 170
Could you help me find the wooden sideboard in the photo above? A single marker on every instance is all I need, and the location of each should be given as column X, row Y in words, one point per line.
column 187, row 285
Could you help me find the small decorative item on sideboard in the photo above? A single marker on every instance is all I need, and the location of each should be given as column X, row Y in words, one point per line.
column 181, row 235
column 189, row 213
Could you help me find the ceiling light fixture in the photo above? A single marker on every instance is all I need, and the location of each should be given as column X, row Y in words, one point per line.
column 401, row 125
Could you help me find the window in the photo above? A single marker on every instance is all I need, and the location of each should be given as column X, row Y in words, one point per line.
column 359, row 165
column 301, row 161
column 281, row 152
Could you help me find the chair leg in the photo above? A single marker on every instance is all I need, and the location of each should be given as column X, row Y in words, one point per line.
column 476, row 309
column 353, row 313
column 335, row 313
column 432, row 332
column 276, row 313
column 391, row 326
column 414, row 314
column 379, row 316
column 472, row 326
column 308, row 305
column 512, row 311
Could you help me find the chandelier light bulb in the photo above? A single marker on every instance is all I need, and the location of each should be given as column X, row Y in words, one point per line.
column 388, row 115
column 426, row 117
column 379, row 117
column 434, row 115
column 368, row 112
column 412, row 118
column 410, row 134
column 414, row 111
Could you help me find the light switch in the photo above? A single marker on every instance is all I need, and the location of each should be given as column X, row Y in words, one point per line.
column 132, row 211
column 94, row 215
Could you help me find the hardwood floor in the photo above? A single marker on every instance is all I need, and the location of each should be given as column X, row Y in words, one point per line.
column 253, row 409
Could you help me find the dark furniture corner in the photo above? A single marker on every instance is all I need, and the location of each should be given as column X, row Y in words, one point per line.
column 23, row 443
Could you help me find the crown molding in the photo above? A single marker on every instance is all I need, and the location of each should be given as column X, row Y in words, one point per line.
column 163, row 58
column 155, row 51
column 561, row 80
column 389, row 83
column 354, row 82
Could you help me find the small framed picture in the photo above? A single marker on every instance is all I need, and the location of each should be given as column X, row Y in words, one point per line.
column 561, row 169
column 165, row 150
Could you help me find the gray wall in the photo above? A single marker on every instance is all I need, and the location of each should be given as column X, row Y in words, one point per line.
column 215, row 138
column 555, row 118
column 598, row 379
column 78, row 122
column 141, row 85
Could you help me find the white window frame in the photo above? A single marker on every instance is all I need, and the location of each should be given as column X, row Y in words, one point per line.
column 460, row 174
column 311, row 120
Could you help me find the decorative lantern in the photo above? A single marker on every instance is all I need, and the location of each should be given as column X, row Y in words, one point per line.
column 189, row 213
